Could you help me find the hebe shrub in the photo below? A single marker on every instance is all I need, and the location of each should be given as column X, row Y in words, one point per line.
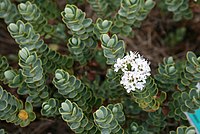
column 124, row 98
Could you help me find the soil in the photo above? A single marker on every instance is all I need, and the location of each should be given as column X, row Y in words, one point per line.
column 148, row 40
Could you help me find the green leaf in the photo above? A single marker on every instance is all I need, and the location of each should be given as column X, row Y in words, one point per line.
column 100, row 114
column 180, row 131
column 185, row 96
column 13, row 27
column 149, row 4
column 105, row 38
column 58, row 76
column 9, row 74
column 190, row 55
column 190, row 130
column 28, row 107
column 3, row 105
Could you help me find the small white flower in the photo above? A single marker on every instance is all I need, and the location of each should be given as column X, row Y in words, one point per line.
column 119, row 65
column 135, row 71
column 198, row 87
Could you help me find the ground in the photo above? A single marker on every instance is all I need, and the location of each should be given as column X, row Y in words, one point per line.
column 148, row 40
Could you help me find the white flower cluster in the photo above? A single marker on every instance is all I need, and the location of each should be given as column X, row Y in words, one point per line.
column 135, row 70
